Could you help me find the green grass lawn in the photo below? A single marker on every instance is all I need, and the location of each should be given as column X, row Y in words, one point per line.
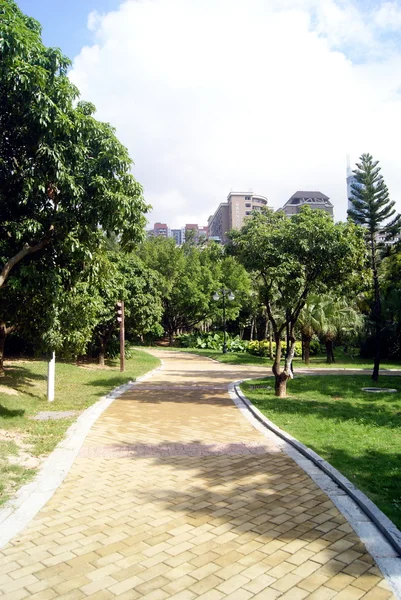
column 243, row 358
column 23, row 394
column 357, row 432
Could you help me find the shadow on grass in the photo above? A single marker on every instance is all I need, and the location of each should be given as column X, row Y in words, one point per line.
column 110, row 382
column 376, row 473
column 7, row 413
column 379, row 410
column 21, row 378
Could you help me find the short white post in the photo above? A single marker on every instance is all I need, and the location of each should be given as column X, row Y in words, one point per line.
column 51, row 372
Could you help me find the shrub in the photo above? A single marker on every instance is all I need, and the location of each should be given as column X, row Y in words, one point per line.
column 261, row 348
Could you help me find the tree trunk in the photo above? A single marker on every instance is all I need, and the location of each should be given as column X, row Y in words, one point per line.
column 329, row 352
column 102, row 347
column 3, row 335
column 266, row 328
column 270, row 342
column 280, row 387
column 306, row 340
column 252, row 329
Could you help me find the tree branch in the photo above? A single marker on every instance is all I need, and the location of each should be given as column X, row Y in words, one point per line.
column 26, row 250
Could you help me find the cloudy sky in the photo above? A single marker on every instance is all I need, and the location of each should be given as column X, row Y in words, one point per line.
column 218, row 95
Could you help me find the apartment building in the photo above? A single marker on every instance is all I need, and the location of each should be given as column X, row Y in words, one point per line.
column 231, row 214
column 313, row 199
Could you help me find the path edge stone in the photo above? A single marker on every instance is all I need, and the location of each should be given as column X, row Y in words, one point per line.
column 389, row 562
column 30, row 498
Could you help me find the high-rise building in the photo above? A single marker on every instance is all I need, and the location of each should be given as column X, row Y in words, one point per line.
column 351, row 180
column 177, row 234
column 160, row 230
column 231, row 214
column 313, row 199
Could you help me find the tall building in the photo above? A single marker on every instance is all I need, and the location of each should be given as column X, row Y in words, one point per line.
column 231, row 214
column 351, row 180
column 313, row 199
column 160, row 230
column 178, row 235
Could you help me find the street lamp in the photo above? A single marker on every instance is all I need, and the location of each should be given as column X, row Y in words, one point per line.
column 230, row 296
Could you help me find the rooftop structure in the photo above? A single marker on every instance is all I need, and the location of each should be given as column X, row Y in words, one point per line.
column 313, row 199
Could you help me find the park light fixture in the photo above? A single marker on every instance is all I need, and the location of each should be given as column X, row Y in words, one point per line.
column 230, row 296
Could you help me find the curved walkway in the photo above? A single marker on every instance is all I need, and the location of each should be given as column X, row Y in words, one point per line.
column 175, row 495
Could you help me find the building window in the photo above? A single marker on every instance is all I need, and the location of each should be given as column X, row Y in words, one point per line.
column 248, row 204
column 247, row 213
column 247, row 197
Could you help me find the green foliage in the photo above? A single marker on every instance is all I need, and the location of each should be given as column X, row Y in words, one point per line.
column 189, row 275
column 211, row 341
column 370, row 201
column 295, row 257
column 64, row 176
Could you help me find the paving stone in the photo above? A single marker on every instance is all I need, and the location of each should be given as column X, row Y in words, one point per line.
column 176, row 496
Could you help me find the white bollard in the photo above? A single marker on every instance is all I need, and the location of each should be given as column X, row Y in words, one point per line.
column 51, row 372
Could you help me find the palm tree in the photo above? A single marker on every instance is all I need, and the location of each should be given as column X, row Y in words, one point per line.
column 328, row 317
column 308, row 323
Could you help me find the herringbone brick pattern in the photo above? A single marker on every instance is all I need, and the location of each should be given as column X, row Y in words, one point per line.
column 175, row 495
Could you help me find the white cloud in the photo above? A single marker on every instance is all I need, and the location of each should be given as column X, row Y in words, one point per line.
column 388, row 16
column 213, row 95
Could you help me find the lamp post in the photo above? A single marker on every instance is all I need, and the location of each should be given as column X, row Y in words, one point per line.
column 230, row 296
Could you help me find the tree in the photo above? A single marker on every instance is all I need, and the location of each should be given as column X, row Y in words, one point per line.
column 295, row 257
column 372, row 208
column 189, row 276
column 329, row 317
column 64, row 176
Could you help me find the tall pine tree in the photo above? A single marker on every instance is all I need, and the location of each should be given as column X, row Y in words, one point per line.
column 372, row 208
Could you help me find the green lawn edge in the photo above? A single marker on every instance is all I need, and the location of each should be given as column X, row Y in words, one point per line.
column 358, row 433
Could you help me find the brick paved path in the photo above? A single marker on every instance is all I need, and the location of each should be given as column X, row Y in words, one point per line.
column 175, row 495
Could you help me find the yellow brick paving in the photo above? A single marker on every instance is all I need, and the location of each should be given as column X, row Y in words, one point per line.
column 175, row 495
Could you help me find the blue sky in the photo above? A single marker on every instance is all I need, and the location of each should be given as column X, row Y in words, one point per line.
column 64, row 22
column 217, row 95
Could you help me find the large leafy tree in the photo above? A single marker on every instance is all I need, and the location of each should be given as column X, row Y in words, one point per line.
column 295, row 257
column 64, row 176
column 373, row 208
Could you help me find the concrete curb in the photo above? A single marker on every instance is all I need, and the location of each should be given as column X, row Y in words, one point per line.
column 29, row 500
column 380, row 536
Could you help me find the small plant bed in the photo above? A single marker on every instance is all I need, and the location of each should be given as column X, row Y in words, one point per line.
column 357, row 432
column 26, row 439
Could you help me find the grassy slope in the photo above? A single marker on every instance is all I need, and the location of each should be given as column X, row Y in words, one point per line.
column 76, row 389
column 359, row 433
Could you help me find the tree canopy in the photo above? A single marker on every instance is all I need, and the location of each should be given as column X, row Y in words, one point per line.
column 295, row 257
column 64, row 176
